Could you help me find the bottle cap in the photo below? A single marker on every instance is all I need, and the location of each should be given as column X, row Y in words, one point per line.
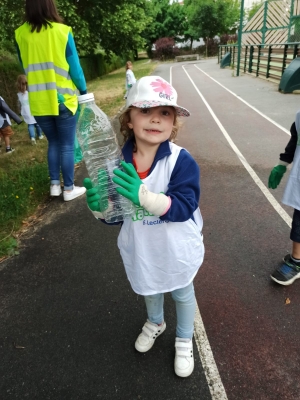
column 85, row 98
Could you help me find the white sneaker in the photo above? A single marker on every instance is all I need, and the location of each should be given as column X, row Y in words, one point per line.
column 150, row 332
column 41, row 137
column 33, row 142
column 76, row 192
column 55, row 190
column 184, row 357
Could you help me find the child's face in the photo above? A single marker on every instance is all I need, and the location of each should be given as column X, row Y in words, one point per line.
column 152, row 125
column 23, row 86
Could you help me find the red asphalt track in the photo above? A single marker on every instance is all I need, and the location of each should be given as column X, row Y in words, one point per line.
column 253, row 334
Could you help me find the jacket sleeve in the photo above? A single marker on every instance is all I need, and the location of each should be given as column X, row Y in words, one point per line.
column 75, row 71
column 288, row 155
column 183, row 189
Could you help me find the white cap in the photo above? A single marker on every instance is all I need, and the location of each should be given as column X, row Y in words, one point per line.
column 154, row 91
column 84, row 98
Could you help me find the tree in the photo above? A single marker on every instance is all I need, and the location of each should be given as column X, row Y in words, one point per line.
column 189, row 32
column 115, row 24
column 120, row 31
column 209, row 18
column 168, row 21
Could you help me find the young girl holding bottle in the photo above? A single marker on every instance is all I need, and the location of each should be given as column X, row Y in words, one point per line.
column 162, row 244
column 33, row 127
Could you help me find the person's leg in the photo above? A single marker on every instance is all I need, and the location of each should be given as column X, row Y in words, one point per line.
column 185, row 310
column 7, row 132
column 48, row 125
column 31, row 131
column 66, row 126
column 289, row 271
column 155, row 308
column 7, row 141
column 155, row 324
column 38, row 131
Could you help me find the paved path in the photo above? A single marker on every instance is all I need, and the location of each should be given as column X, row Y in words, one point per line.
column 66, row 300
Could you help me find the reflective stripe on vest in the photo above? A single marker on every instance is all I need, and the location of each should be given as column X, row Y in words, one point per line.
column 47, row 65
column 48, row 86
column 46, row 68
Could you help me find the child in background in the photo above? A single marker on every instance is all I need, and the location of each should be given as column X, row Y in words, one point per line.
column 289, row 270
column 130, row 78
column 5, row 126
column 33, row 127
column 162, row 244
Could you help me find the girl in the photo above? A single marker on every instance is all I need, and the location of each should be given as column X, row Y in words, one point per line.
column 130, row 78
column 161, row 245
column 25, row 109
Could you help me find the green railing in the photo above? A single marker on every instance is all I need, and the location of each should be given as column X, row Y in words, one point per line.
column 263, row 60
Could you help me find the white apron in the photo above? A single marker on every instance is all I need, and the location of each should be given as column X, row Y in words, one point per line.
column 161, row 256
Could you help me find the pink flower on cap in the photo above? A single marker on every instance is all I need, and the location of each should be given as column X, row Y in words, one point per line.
column 154, row 91
column 162, row 86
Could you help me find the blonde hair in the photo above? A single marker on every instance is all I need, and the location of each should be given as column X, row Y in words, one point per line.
column 128, row 133
column 21, row 83
column 128, row 65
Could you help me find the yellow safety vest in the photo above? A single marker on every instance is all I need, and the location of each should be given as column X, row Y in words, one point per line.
column 43, row 56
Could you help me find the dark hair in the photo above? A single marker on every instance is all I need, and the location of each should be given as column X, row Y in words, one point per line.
column 128, row 133
column 39, row 13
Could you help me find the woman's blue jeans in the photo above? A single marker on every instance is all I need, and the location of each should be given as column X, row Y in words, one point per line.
column 185, row 309
column 32, row 128
column 60, row 132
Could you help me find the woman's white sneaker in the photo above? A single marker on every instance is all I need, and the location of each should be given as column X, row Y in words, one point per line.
column 76, row 192
column 184, row 357
column 150, row 332
column 55, row 190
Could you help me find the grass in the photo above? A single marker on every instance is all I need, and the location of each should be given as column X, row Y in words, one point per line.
column 24, row 180
column 109, row 90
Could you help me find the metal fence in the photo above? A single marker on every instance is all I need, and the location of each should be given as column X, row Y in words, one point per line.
column 274, row 22
column 266, row 61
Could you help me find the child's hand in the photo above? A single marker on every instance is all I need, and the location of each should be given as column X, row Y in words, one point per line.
column 129, row 181
column 92, row 196
column 97, row 197
column 276, row 176
column 135, row 190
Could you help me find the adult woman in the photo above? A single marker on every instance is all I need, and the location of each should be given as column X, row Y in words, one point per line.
column 49, row 58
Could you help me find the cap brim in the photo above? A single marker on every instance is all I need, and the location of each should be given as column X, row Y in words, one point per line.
column 180, row 111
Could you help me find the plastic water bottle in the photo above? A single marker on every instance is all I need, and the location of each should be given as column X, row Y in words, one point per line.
column 101, row 154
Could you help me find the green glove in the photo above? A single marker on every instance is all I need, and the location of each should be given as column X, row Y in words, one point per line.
column 276, row 176
column 129, row 181
column 97, row 197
